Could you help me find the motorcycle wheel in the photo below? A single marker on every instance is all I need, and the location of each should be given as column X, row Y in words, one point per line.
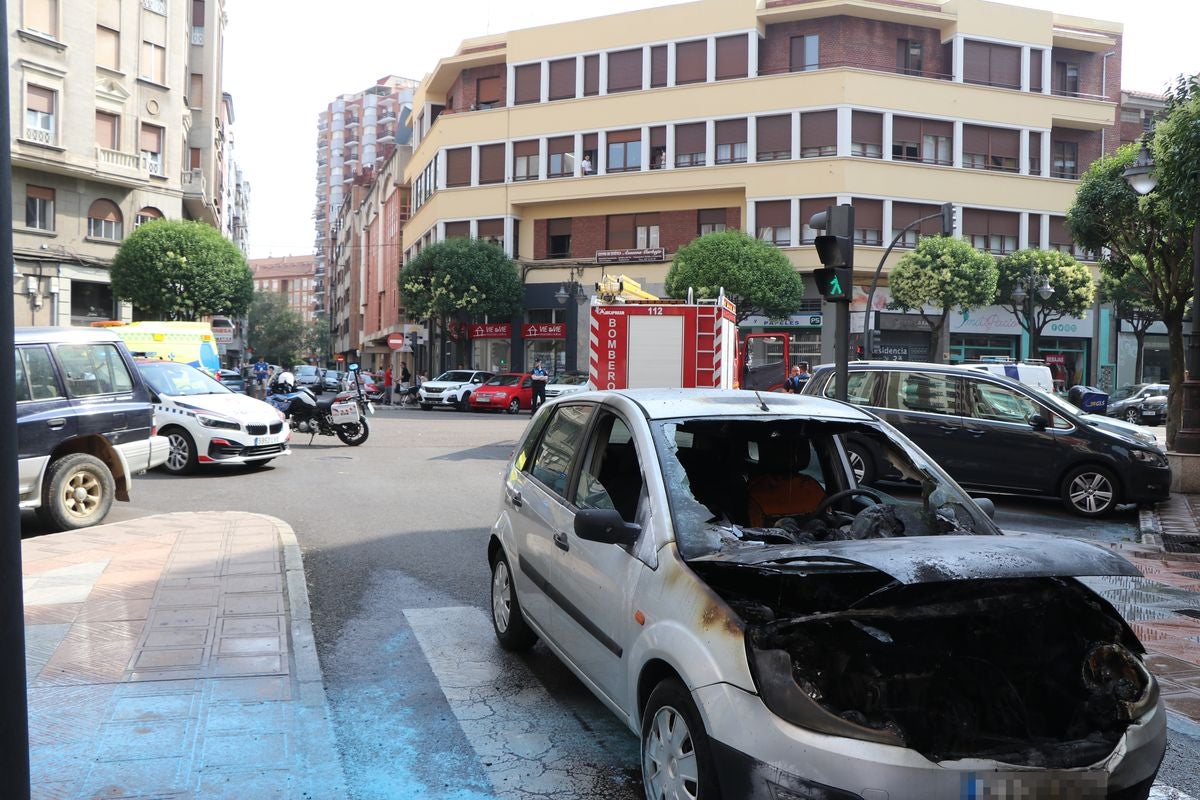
column 354, row 433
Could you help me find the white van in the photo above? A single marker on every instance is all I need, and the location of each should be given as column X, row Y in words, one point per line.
column 1038, row 375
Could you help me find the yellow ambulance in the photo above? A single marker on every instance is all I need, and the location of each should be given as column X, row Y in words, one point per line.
column 190, row 343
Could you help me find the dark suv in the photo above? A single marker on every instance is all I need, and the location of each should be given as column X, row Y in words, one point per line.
column 994, row 434
column 84, row 424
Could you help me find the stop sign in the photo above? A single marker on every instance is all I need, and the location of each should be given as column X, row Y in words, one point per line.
column 396, row 340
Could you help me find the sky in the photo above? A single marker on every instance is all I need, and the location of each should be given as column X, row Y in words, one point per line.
column 286, row 61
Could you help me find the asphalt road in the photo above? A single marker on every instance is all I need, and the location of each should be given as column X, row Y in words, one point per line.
column 393, row 534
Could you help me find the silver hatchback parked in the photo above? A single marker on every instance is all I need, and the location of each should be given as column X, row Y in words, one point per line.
column 705, row 563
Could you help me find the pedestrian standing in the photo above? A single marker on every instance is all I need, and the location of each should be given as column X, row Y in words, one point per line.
column 262, row 371
column 539, row 378
column 387, row 385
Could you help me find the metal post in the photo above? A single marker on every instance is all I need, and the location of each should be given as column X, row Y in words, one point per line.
column 841, row 348
column 879, row 271
column 1187, row 438
column 14, row 722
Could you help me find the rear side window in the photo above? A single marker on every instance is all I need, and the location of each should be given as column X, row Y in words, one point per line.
column 35, row 378
column 999, row 404
column 94, row 369
column 860, row 387
column 552, row 460
column 925, row 392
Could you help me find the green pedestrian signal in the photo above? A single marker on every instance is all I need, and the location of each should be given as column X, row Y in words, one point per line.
column 834, row 283
column 835, row 286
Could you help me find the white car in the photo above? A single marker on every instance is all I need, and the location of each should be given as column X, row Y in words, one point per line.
column 566, row 383
column 452, row 388
column 206, row 423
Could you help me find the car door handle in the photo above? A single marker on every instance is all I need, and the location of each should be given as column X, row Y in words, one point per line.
column 976, row 432
column 947, row 428
column 56, row 423
column 560, row 539
column 514, row 497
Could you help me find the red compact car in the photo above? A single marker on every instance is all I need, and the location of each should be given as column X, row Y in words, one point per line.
column 508, row 391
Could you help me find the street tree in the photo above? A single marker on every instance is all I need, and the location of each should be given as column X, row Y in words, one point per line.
column 1071, row 281
column 1151, row 235
column 755, row 275
column 1127, row 290
column 275, row 331
column 314, row 341
column 940, row 275
column 181, row 270
column 460, row 278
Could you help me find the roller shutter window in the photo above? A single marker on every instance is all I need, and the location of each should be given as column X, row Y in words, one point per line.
column 991, row 231
column 774, row 139
column 491, row 163
column 731, row 141
column 772, row 221
column 491, row 231
column 690, row 145
column 866, row 134
column 625, row 70
column 711, row 220
column 108, row 131
column 937, row 142
column 558, row 234
column 624, row 150
column 868, row 222
column 1033, row 232
column 458, row 230
column 488, row 93
column 591, row 75
column 1035, row 70
column 458, row 167
column 658, row 66
column 525, row 160
column 562, row 79
column 818, row 134
column 560, row 150
column 528, row 87
column 658, row 146
column 105, row 221
column 620, row 235
column 1035, row 153
column 39, row 208
column 1064, row 160
column 590, row 153
column 645, row 230
column 807, row 208
column 976, row 62
column 108, row 47
column 904, row 214
column 42, row 16
column 975, row 147
column 1006, row 66
column 691, row 62
column 1005, row 150
column 906, row 139
column 733, row 53
column 150, row 144
column 1059, row 238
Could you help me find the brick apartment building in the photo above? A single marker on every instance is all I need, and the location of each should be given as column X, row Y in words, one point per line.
column 290, row 276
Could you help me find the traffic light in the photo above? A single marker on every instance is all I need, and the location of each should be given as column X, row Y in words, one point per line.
column 871, row 343
column 835, row 248
column 948, row 218
column 412, row 341
column 834, row 283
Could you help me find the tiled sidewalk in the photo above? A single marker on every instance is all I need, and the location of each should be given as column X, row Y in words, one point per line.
column 172, row 656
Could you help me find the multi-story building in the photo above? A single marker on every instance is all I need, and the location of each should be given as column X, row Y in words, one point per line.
column 623, row 137
column 235, row 199
column 356, row 134
column 115, row 110
column 1139, row 111
column 291, row 276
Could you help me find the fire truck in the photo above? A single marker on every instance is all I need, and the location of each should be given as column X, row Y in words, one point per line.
column 638, row 340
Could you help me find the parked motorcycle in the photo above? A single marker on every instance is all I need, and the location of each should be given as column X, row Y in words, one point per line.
column 343, row 416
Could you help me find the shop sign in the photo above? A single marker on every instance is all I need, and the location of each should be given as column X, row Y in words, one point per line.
column 793, row 321
column 544, row 330
column 638, row 255
column 1055, row 358
column 490, row 330
column 222, row 331
column 891, row 352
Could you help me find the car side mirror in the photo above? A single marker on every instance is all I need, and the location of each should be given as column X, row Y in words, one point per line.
column 605, row 525
column 1038, row 422
column 986, row 506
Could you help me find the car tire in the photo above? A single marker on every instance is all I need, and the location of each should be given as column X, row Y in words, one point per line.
column 464, row 402
column 78, row 491
column 514, row 406
column 676, row 763
column 862, row 463
column 259, row 464
column 1132, row 415
column 512, row 631
column 182, row 458
column 426, row 406
column 1090, row 491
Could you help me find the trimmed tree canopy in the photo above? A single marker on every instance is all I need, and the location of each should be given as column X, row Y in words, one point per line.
column 461, row 276
column 756, row 275
column 1074, row 290
column 181, row 270
column 945, row 273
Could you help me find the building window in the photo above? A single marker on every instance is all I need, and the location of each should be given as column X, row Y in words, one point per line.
column 774, row 140
column 624, row 151
column 731, row 141
column 908, row 57
column 491, row 163
column 526, row 160
column 646, row 230
column 993, row 231
column 147, row 214
column 104, row 221
column 151, row 149
column 42, row 16
column 658, row 147
column 562, row 79
column 108, row 48
column 712, row 220
column 937, row 149
column 1035, row 153
column 195, row 154
column 491, row 231
column 108, row 131
column 905, row 214
column 1065, row 162
column 992, row 64
column 868, row 221
column 1066, row 78
column 690, row 145
column 818, row 134
column 991, row 148
column 558, row 238
column 808, row 207
column 154, row 63
column 487, row 93
column 528, row 83
column 691, row 62
column 40, row 105
column 773, row 222
column 866, row 135
column 926, row 140
column 805, row 51
column 561, row 158
column 39, row 208
column 458, row 167
column 625, row 70
column 732, row 57
column 195, row 96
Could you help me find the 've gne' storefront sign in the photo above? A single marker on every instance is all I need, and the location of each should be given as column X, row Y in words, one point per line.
column 544, row 330
column 641, row 254
column 490, row 330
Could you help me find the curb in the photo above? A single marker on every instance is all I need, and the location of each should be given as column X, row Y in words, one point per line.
column 1150, row 526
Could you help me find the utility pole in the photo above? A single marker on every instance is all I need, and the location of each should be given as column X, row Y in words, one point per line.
column 835, row 281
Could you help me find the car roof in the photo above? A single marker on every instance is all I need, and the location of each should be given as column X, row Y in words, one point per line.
column 675, row 403
column 63, row 334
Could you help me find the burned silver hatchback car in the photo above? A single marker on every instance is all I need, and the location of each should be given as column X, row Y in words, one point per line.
column 705, row 563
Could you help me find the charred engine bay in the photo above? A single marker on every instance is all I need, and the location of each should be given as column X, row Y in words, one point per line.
column 1031, row 671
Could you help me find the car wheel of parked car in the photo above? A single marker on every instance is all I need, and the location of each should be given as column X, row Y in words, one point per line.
column 426, row 406
column 77, row 493
column 464, row 402
column 676, row 761
column 1090, row 491
column 512, row 631
column 861, row 463
column 514, row 406
column 183, row 458
column 1133, row 416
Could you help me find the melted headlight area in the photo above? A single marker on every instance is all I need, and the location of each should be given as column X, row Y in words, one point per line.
column 1036, row 672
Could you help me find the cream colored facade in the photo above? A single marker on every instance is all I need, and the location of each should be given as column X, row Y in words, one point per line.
column 114, row 110
column 1039, row 90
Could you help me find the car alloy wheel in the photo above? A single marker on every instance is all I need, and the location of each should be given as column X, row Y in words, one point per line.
column 182, row 457
column 1132, row 416
column 514, row 406
column 1090, row 491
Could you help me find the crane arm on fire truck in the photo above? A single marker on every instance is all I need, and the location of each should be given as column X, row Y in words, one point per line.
column 621, row 288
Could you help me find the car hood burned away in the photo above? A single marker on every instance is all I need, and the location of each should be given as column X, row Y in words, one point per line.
column 895, row 612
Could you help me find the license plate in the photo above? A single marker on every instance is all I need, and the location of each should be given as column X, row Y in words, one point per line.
column 484, row 398
column 344, row 412
column 1042, row 785
column 260, row 441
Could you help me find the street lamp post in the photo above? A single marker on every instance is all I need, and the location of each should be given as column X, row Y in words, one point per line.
column 1141, row 178
column 1023, row 293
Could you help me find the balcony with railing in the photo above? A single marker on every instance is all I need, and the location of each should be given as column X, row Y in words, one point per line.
column 39, row 135
column 197, row 35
